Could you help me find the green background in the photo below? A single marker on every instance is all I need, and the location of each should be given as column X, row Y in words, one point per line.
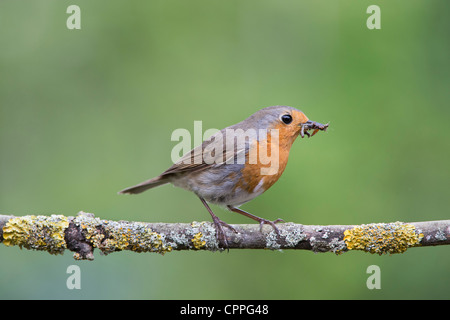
column 85, row 113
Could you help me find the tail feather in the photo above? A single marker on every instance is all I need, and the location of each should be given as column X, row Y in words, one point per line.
column 141, row 187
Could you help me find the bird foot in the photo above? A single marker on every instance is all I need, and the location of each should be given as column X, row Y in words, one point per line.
column 220, row 233
column 272, row 223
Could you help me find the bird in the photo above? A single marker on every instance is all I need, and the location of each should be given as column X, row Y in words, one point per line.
column 238, row 163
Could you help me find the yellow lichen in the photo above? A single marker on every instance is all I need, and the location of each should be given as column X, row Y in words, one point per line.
column 382, row 238
column 110, row 236
column 198, row 241
column 37, row 232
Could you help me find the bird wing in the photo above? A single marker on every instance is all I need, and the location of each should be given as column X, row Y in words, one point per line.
column 217, row 150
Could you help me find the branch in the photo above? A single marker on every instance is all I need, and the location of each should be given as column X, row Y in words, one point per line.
column 83, row 233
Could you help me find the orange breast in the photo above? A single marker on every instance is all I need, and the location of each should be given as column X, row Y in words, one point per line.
column 272, row 157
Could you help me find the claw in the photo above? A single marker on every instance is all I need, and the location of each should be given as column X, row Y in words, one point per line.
column 219, row 224
column 261, row 221
column 220, row 233
column 272, row 223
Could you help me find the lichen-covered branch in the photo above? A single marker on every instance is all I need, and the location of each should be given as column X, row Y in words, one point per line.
column 84, row 232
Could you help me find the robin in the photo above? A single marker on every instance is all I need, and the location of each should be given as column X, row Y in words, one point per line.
column 238, row 163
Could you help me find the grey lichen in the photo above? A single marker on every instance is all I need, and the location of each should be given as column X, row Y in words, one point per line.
column 289, row 236
column 177, row 240
column 272, row 241
column 337, row 246
column 323, row 244
column 292, row 234
column 202, row 235
column 440, row 235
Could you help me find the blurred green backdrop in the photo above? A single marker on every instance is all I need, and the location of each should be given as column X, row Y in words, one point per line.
column 85, row 113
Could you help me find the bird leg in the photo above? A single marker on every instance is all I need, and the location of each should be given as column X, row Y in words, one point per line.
column 261, row 221
column 219, row 224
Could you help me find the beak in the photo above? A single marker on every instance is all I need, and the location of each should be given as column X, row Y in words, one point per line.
column 312, row 125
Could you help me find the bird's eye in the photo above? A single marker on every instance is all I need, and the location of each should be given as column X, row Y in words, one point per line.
column 286, row 118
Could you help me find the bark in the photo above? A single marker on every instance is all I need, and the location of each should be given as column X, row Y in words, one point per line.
column 84, row 233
